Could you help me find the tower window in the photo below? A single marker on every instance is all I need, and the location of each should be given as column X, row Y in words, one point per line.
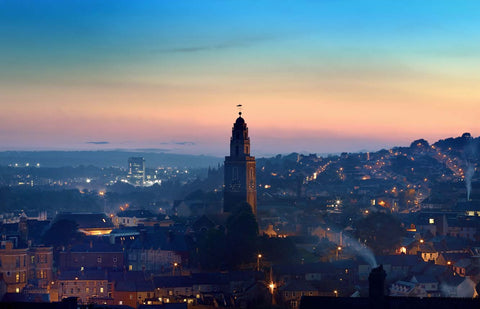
column 236, row 150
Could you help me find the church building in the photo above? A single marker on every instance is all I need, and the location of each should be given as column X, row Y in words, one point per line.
column 240, row 177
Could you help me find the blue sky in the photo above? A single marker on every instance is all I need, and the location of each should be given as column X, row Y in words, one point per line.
column 315, row 76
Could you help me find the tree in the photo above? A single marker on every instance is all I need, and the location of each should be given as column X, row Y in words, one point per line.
column 379, row 231
column 242, row 232
column 62, row 233
column 277, row 250
column 211, row 249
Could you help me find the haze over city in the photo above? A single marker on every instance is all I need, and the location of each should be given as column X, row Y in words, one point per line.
column 313, row 76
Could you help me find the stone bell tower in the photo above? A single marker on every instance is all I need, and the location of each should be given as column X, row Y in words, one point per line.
column 240, row 176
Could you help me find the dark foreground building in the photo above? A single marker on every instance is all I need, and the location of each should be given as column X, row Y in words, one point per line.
column 378, row 300
column 240, row 176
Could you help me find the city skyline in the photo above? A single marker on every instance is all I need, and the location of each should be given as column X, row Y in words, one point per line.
column 320, row 77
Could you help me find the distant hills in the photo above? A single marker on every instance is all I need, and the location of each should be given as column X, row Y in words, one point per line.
column 115, row 158
column 467, row 145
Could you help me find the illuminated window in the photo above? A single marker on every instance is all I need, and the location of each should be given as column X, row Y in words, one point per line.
column 17, row 277
column 101, row 290
column 130, row 267
column 431, row 221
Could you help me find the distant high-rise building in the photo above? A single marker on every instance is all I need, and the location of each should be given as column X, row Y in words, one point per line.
column 240, row 176
column 136, row 171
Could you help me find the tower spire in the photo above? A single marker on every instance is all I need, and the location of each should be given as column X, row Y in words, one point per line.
column 239, row 106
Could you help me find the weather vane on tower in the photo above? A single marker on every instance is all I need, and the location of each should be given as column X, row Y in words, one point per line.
column 239, row 106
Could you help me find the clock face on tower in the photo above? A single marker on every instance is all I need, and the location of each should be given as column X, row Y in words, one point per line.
column 235, row 185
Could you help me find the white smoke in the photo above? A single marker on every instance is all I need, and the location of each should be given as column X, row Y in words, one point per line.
column 346, row 241
column 468, row 178
column 362, row 250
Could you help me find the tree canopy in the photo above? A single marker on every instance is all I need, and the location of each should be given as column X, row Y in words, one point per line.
column 379, row 231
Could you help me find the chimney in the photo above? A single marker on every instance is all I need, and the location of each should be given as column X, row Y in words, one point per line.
column 376, row 292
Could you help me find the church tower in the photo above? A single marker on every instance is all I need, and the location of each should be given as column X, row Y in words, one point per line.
column 240, row 176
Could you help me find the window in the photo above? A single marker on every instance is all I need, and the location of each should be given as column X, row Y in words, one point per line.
column 101, row 290
column 87, row 290
column 17, row 277
column 115, row 259
column 99, row 259
column 130, row 267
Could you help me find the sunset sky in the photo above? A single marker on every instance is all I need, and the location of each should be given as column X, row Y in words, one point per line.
column 313, row 76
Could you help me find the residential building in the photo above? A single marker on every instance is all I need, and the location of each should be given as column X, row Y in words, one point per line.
column 13, row 266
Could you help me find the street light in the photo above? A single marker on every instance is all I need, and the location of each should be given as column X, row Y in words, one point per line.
column 271, row 286
column 338, row 250
column 336, row 293
column 259, row 256
column 175, row 264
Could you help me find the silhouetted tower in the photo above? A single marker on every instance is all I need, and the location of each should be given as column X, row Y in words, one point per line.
column 240, row 176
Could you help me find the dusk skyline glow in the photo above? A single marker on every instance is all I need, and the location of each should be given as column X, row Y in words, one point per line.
column 312, row 76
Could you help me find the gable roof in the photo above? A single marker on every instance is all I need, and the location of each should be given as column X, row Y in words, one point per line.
column 138, row 213
column 86, row 220
column 297, row 285
column 424, row 279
